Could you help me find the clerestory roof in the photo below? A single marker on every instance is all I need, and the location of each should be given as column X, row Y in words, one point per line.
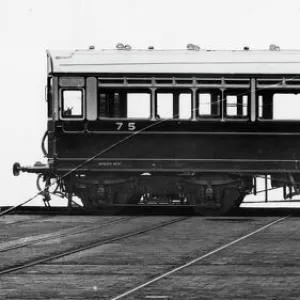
column 174, row 61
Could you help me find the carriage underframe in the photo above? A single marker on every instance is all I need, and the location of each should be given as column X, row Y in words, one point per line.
column 110, row 190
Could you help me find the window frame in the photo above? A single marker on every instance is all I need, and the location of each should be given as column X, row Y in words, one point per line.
column 191, row 110
column 174, row 91
column 194, row 96
column 127, row 91
column 237, row 92
column 83, row 104
column 273, row 92
column 216, row 117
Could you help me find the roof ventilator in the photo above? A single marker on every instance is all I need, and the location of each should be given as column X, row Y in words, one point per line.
column 121, row 46
column 192, row 47
column 274, row 47
column 127, row 47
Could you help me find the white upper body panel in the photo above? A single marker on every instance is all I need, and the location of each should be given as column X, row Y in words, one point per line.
column 175, row 62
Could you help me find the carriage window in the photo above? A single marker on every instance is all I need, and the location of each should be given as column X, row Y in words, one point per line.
column 237, row 106
column 204, row 104
column 72, row 103
column 209, row 104
column 265, row 106
column 120, row 104
column 185, row 106
column 279, row 106
column 260, row 106
column 164, row 105
column 138, row 105
column 109, row 104
column 286, row 106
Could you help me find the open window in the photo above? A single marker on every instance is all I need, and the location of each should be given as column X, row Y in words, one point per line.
column 164, row 105
column 124, row 104
column 173, row 104
column 185, row 106
column 72, row 104
column 237, row 106
column 138, row 105
column 279, row 105
column 209, row 103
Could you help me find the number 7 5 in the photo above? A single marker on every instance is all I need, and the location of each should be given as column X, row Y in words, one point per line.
column 130, row 125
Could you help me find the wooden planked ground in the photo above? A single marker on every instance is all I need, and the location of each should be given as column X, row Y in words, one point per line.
column 264, row 266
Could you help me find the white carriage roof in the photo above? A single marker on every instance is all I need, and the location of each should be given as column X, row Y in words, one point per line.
column 175, row 61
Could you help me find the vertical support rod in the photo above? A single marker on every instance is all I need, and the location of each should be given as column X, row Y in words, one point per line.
column 253, row 101
column 284, row 192
column 176, row 105
column 153, row 108
column 69, row 201
column 290, row 192
column 266, row 188
column 254, row 186
column 215, row 105
column 239, row 105
column 223, row 105
column 194, row 105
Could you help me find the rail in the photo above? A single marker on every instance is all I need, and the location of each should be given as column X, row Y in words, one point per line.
column 91, row 245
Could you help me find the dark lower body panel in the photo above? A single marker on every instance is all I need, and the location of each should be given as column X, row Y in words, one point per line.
column 177, row 165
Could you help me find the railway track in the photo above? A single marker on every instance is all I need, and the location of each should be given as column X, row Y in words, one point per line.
column 24, row 242
column 133, row 259
column 24, row 221
column 90, row 245
column 138, row 288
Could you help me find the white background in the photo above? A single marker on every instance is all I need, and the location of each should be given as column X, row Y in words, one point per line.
column 28, row 28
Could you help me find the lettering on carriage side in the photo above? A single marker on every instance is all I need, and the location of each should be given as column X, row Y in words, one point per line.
column 129, row 126
column 105, row 164
column 110, row 164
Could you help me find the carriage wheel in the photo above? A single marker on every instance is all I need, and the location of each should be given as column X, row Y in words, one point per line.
column 124, row 197
column 98, row 205
column 134, row 198
column 226, row 201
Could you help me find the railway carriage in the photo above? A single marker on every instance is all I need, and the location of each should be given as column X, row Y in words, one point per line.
column 171, row 127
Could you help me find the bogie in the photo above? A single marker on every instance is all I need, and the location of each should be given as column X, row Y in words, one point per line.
column 211, row 194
